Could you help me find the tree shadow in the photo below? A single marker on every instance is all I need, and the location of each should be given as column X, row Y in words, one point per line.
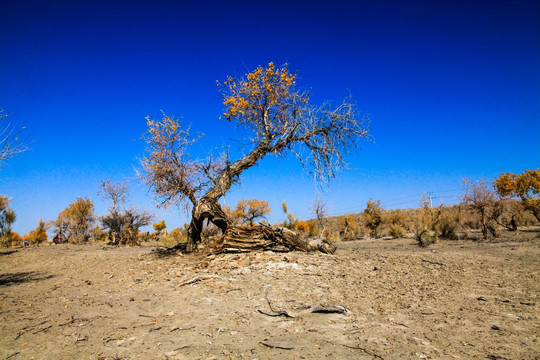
column 22, row 277
column 9, row 252
column 530, row 230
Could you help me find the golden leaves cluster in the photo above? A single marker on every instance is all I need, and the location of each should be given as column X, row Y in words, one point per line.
column 79, row 212
column 522, row 185
column 307, row 227
column 247, row 210
column 263, row 99
column 525, row 186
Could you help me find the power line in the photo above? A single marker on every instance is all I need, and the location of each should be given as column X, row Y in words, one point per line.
column 388, row 204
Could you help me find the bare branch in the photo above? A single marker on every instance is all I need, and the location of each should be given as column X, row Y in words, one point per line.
column 169, row 169
column 11, row 144
column 116, row 193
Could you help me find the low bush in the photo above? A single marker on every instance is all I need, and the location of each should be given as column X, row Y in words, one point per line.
column 448, row 226
column 396, row 231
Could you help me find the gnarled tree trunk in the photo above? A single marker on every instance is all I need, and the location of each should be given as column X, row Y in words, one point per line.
column 205, row 209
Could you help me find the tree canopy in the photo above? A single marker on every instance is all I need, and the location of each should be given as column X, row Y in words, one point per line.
column 247, row 210
column 526, row 186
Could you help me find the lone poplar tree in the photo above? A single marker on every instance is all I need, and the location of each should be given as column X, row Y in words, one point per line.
column 277, row 117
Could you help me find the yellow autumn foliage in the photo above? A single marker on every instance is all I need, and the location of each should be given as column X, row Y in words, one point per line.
column 526, row 186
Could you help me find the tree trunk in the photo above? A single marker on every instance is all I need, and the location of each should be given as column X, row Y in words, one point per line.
column 484, row 226
column 262, row 237
column 205, row 209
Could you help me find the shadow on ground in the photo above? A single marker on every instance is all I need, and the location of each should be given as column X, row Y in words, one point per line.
column 2, row 253
column 22, row 277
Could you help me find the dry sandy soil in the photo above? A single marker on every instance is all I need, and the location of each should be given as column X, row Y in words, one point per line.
column 453, row 300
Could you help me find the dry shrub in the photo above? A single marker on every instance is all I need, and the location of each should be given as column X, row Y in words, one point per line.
column 177, row 236
column 482, row 199
column 448, row 226
column 39, row 235
column 427, row 237
column 396, row 231
column 10, row 239
column 333, row 237
column 397, row 217
column 210, row 230
column 180, row 233
column 169, row 240
column 426, row 223
column 99, row 235
column 146, row 236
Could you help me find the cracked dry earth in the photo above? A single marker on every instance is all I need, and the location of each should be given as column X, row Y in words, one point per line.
column 454, row 300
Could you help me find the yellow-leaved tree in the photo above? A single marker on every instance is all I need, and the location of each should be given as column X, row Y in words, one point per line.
column 75, row 221
column 373, row 216
column 277, row 118
column 7, row 218
column 39, row 235
column 159, row 226
column 526, row 186
column 248, row 210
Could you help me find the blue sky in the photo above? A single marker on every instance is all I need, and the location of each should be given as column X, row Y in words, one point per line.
column 452, row 89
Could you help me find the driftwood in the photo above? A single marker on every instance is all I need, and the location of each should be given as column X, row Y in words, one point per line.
column 164, row 252
column 262, row 237
column 275, row 346
column 434, row 262
column 197, row 279
column 328, row 309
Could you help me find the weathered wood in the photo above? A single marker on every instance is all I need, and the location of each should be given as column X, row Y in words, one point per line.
column 202, row 210
column 327, row 309
column 262, row 237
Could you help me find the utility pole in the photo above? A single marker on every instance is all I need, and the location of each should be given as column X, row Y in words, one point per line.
column 430, row 199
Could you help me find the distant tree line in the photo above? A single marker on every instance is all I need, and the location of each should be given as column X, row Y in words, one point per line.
column 510, row 201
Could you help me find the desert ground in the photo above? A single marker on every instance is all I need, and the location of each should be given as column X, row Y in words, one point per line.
column 453, row 300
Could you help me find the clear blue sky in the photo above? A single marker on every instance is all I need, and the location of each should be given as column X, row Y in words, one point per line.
column 452, row 89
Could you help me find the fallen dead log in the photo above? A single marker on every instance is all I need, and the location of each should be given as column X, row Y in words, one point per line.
column 330, row 309
column 434, row 262
column 358, row 348
column 327, row 309
column 197, row 279
column 164, row 252
column 245, row 238
column 274, row 346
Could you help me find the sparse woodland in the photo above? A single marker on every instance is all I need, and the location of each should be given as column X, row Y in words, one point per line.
column 485, row 213
column 278, row 118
